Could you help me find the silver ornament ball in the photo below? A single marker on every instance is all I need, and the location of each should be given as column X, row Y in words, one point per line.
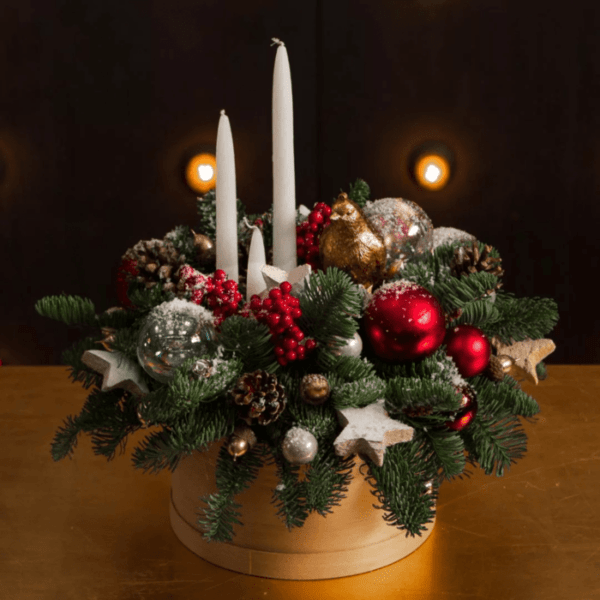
column 350, row 347
column 173, row 332
column 299, row 446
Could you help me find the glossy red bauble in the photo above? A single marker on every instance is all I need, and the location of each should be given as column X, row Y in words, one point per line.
column 469, row 348
column 466, row 414
column 404, row 321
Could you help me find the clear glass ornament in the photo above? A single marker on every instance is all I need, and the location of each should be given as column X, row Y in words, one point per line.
column 173, row 332
column 406, row 229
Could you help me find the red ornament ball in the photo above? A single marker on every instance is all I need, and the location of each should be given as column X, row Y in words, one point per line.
column 469, row 348
column 466, row 414
column 404, row 321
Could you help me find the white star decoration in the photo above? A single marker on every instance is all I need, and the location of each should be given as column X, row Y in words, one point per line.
column 526, row 355
column 274, row 276
column 369, row 430
column 118, row 370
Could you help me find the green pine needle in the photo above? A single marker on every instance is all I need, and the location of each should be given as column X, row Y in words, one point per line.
column 359, row 192
column 71, row 310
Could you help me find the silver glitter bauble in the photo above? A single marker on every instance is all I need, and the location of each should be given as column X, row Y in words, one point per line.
column 406, row 230
column 173, row 332
column 350, row 347
column 299, row 446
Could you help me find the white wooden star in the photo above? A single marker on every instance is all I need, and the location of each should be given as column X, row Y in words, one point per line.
column 274, row 276
column 526, row 355
column 118, row 370
column 369, row 430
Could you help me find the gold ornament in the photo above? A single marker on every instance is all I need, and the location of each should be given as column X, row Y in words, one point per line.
column 525, row 355
column 314, row 389
column 350, row 244
column 205, row 249
column 241, row 441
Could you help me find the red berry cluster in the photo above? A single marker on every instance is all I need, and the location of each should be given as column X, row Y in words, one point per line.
column 279, row 312
column 221, row 293
column 127, row 272
column 309, row 232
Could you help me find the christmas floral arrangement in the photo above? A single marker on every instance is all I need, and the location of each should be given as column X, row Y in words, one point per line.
column 392, row 340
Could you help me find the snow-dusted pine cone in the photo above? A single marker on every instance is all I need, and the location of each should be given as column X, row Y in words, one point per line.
column 260, row 397
column 468, row 260
column 157, row 262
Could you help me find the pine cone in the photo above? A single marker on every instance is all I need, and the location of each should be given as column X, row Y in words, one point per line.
column 468, row 260
column 157, row 262
column 261, row 397
column 494, row 369
column 417, row 411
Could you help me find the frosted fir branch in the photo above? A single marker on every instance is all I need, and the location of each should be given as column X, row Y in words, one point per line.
column 71, row 310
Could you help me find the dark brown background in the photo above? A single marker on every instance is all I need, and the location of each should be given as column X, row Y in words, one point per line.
column 101, row 101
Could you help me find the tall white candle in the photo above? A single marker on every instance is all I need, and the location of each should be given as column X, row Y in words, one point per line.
column 255, row 282
column 226, row 242
column 284, row 182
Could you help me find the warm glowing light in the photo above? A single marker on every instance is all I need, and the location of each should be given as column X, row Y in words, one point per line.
column 432, row 171
column 201, row 172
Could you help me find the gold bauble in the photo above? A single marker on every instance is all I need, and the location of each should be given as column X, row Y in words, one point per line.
column 205, row 249
column 506, row 362
column 237, row 447
column 351, row 245
column 314, row 389
column 241, row 440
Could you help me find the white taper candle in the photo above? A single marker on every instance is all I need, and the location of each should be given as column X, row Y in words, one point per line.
column 255, row 282
column 226, row 242
column 284, row 182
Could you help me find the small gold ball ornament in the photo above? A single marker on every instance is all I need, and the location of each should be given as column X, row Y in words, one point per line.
column 241, row 441
column 506, row 362
column 205, row 249
column 314, row 389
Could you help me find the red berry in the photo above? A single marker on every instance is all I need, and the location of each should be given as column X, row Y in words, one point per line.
column 273, row 320
column 326, row 210
column 310, row 344
column 267, row 303
column 279, row 329
column 310, row 238
column 297, row 333
column 316, row 217
column 220, row 275
column 230, row 285
column 291, row 355
column 282, row 361
column 301, row 252
column 286, row 287
column 279, row 351
column 275, row 293
column 287, row 321
column 289, row 343
column 296, row 313
column 301, row 352
column 299, row 242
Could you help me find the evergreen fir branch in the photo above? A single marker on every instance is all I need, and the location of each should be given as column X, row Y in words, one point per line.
column 348, row 368
column 65, row 439
column 355, row 394
column 187, row 392
column 329, row 304
column 495, row 442
column 127, row 340
column 359, row 192
column 290, row 495
column 541, row 371
column 503, row 397
column 71, row 310
column 321, row 420
column 399, row 486
column 192, row 431
column 118, row 319
column 183, row 239
column 411, row 392
column 222, row 512
column 117, row 425
column 448, row 450
column 457, row 292
column 250, row 341
column 144, row 299
column 207, row 214
column 327, row 480
column 478, row 313
column 522, row 318
column 79, row 371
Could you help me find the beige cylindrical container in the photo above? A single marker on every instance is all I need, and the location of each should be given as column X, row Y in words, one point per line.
column 353, row 539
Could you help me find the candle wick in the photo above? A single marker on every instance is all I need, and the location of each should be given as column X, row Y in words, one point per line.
column 277, row 41
column 223, row 111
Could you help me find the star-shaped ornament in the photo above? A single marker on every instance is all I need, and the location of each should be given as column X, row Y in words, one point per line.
column 369, row 430
column 118, row 370
column 526, row 355
column 274, row 276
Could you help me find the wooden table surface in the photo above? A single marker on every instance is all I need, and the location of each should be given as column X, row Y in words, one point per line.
column 84, row 529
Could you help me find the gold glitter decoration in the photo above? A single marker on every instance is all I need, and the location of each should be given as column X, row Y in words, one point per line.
column 526, row 355
column 350, row 244
column 314, row 389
